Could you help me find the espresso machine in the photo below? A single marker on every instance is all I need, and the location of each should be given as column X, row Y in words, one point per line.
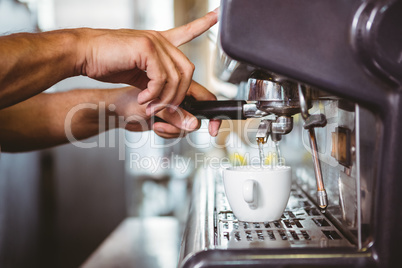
column 325, row 79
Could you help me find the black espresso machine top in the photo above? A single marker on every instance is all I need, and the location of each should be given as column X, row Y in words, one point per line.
column 350, row 49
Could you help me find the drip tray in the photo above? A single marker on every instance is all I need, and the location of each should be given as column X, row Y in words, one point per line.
column 302, row 225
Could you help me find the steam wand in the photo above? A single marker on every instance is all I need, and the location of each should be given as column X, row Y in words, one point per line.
column 311, row 122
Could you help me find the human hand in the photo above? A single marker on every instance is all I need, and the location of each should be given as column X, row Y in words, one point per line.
column 133, row 116
column 148, row 60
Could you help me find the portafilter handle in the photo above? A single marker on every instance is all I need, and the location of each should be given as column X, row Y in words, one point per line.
column 219, row 109
column 222, row 109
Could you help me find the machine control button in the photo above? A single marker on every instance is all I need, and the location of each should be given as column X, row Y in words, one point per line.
column 341, row 146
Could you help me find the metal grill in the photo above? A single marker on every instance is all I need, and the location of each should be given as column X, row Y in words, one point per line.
column 302, row 225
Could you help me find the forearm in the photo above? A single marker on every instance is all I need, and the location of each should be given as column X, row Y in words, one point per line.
column 48, row 120
column 31, row 63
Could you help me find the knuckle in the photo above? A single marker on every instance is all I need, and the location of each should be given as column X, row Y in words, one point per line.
column 152, row 94
column 155, row 34
column 146, row 42
column 175, row 78
column 192, row 67
column 161, row 78
column 189, row 70
column 166, row 100
column 151, row 32
column 188, row 28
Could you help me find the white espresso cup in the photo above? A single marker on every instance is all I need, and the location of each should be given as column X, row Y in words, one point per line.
column 257, row 194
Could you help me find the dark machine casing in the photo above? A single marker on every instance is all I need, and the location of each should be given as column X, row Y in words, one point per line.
column 350, row 48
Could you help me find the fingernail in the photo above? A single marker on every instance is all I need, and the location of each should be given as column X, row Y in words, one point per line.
column 213, row 132
column 190, row 123
column 193, row 123
column 160, row 130
column 140, row 99
column 216, row 10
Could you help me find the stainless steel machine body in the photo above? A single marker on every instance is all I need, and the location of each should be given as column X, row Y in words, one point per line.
column 350, row 52
column 304, row 235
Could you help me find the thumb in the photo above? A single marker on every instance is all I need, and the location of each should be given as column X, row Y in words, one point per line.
column 183, row 34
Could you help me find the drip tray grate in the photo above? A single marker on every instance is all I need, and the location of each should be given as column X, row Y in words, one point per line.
column 301, row 225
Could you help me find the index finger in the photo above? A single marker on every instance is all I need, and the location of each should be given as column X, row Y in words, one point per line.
column 199, row 92
column 183, row 34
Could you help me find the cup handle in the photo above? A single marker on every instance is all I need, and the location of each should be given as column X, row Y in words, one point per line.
column 250, row 193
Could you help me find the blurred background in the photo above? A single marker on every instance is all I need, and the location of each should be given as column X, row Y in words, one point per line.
column 57, row 206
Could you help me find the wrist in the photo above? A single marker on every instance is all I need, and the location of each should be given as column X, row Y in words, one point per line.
column 71, row 44
column 107, row 117
column 109, row 100
column 82, row 37
column 93, row 111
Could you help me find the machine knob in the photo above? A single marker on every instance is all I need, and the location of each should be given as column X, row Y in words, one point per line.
column 315, row 120
column 377, row 36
